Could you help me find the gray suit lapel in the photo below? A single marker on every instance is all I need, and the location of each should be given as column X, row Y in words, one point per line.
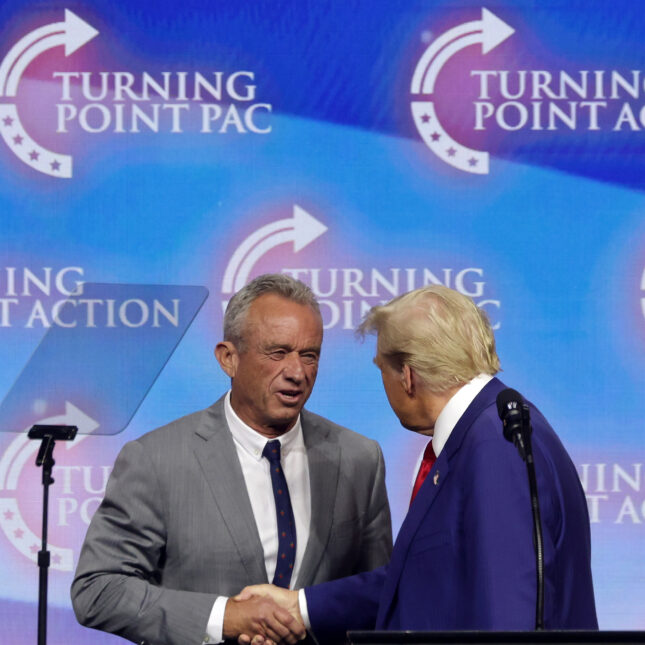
column 217, row 457
column 323, row 456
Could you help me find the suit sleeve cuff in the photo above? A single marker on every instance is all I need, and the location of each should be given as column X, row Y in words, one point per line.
column 215, row 625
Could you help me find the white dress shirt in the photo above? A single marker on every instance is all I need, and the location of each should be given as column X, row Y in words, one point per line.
column 249, row 445
column 453, row 411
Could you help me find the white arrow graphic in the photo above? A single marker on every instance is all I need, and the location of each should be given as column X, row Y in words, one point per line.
column 490, row 31
column 73, row 33
column 13, row 460
column 301, row 229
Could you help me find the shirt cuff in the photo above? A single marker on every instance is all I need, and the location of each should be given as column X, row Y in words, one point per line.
column 302, row 605
column 215, row 625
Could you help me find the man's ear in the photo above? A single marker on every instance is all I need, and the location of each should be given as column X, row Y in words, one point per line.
column 227, row 356
column 408, row 380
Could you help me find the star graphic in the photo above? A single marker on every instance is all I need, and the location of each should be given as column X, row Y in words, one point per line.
column 18, row 140
column 56, row 558
column 451, row 152
column 33, row 155
column 7, row 120
column 8, row 515
column 34, row 548
column 425, row 118
column 472, row 161
column 435, row 136
column 19, row 533
column 55, row 165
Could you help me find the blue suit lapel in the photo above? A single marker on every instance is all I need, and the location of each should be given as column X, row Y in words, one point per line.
column 426, row 496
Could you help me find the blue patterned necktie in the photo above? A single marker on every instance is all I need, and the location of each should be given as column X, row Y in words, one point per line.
column 284, row 514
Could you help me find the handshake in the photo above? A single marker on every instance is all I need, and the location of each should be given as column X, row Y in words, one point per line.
column 264, row 615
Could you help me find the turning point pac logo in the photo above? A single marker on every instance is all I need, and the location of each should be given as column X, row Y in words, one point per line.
column 518, row 99
column 490, row 31
column 97, row 101
column 72, row 33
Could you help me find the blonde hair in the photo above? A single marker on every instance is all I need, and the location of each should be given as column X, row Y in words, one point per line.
column 438, row 332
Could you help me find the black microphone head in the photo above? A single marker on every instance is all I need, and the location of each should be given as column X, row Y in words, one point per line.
column 510, row 404
column 507, row 400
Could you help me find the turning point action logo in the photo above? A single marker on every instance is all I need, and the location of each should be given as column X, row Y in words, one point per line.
column 345, row 294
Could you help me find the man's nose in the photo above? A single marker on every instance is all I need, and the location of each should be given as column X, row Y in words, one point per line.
column 293, row 368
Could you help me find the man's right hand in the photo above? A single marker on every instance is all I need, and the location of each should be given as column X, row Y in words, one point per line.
column 257, row 615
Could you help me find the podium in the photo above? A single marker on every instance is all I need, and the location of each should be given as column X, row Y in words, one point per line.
column 503, row 638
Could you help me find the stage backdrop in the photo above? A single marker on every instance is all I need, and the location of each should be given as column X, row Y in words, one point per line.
column 165, row 150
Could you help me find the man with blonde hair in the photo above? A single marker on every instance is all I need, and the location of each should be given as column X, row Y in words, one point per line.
column 463, row 559
column 439, row 333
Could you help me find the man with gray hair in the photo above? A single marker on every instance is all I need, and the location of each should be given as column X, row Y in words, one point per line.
column 252, row 489
column 463, row 559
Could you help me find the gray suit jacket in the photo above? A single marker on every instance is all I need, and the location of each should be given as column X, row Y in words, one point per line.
column 176, row 529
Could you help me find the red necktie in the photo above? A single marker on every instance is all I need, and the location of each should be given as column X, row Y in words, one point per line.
column 426, row 465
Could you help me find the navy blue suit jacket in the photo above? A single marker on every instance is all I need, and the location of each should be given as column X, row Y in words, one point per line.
column 464, row 556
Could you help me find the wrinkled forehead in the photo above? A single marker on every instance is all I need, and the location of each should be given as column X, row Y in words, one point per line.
column 273, row 315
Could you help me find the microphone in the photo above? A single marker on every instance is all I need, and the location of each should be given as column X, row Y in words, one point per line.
column 515, row 416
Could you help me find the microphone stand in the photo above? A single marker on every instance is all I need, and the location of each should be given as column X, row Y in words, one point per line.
column 522, row 439
column 48, row 434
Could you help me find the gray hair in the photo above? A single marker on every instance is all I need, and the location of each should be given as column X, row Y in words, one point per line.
column 275, row 283
column 438, row 332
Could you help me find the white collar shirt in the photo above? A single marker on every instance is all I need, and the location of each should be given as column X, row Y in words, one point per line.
column 257, row 475
column 450, row 415
column 249, row 445
column 454, row 410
